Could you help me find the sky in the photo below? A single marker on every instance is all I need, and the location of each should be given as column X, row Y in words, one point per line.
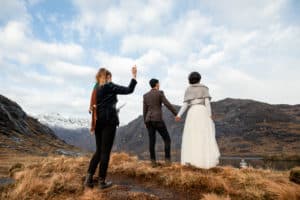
column 50, row 50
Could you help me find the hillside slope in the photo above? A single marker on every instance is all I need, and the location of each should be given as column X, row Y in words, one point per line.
column 21, row 133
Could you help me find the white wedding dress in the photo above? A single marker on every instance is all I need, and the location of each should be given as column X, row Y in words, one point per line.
column 199, row 146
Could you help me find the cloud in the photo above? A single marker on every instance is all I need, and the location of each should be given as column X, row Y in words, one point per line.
column 243, row 49
column 153, row 59
column 17, row 43
column 13, row 9
column 64, row 69
column 246, row 14
column 211, row 61
column 108, row 19
column 141, row 43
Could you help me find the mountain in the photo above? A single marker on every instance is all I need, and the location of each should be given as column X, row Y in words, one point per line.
column 57, row 120
column 74, row 131
column 243, row 128
column 22, row 133
column 31, row 169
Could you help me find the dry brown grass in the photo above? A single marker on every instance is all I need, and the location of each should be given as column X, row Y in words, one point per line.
column 214, row 197
column 62, row 177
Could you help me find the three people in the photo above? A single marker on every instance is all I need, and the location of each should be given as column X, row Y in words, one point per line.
column 199, row 146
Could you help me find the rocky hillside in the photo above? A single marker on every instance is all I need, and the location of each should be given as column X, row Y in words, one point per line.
column 79, row 137
column 22, row 133
column 243, row 127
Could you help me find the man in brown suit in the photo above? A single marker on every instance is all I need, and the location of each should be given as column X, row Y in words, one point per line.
column 153, row 119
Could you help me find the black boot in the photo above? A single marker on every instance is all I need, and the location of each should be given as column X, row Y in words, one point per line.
column 89, row 181
column 104, row 184
column 154, row 164
column 168, row 162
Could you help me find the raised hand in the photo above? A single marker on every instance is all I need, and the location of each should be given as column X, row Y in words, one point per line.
column 134, row 71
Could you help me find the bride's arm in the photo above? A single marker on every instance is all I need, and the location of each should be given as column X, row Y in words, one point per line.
column 182, row 109
column 207, row 104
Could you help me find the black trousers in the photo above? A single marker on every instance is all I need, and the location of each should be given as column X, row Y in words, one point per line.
column 105, row 134
column 162, row 130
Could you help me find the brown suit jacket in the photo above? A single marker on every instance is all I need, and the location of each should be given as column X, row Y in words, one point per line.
column 153, row 101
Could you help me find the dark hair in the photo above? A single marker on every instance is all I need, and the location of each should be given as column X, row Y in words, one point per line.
column 108, row 73
column 153, row 82
column 194, row 77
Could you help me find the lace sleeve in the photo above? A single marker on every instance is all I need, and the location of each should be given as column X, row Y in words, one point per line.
column 182, row 109
column 207, row 105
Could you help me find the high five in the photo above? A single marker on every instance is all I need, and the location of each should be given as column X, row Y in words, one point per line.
column 199, row 145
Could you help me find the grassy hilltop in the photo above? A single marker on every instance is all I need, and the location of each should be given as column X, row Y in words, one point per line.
column 61, row 177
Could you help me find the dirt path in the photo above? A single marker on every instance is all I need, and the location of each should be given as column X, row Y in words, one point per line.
column 152, row 189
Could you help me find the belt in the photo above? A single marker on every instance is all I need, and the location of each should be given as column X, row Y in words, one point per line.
column 192, row 104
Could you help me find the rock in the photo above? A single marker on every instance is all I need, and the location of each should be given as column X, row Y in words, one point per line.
column 6, row 181
column 295, row 175
column 13, row 118
column 68, row 153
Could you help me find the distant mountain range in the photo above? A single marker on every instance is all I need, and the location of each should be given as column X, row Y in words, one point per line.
column 57, row 120
column 243, row 128
column 74, row 131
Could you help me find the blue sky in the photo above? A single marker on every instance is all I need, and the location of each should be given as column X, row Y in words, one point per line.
column 51, row 50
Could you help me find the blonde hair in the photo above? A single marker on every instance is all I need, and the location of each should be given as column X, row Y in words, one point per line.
column 101, row 76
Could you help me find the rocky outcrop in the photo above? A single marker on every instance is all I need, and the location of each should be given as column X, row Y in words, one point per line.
column 14, row 120
column 79, row 137
column 20, row 132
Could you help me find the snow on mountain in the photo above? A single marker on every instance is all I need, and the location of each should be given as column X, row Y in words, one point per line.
column 57, row 120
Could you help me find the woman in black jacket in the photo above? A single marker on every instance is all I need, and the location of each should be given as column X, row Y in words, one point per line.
column 106, row 125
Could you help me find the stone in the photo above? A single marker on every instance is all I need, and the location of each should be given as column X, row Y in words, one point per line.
column 295, row 175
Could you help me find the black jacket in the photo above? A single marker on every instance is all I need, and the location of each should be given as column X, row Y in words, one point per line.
column 107, row 101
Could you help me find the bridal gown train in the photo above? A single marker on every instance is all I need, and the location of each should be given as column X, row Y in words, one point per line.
column 199, row 145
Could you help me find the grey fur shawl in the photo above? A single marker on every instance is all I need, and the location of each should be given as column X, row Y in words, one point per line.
column 196, row 91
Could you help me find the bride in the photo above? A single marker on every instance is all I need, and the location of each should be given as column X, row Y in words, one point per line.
column 199, row 146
